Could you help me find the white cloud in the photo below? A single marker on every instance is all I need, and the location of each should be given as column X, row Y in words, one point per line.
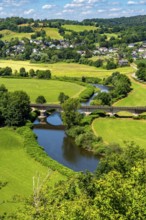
column 68, row 11
column 132, row 3
column 73, row 5
column 86, row 12
column 115, row 9
column 101, row 10
column 47, row 6
column 83, row 3
column 28, row 12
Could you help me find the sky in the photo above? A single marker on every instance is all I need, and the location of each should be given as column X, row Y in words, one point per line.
column 71, row 9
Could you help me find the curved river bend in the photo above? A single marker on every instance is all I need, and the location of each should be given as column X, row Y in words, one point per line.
column 62, row 148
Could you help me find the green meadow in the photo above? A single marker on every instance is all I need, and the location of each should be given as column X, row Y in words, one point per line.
column 79, row 28
column 51, row 32
column 137, row 97
column 8, row 35
column 49, row 88
column 18, row 169
column 120, row 130
column 65, row 69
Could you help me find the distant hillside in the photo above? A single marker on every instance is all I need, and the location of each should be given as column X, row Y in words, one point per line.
column 123, row 21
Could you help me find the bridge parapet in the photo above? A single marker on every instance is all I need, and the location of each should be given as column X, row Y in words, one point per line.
column 90, row 109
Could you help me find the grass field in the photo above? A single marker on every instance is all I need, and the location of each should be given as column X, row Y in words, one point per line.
column 66, row 69
column 109, row 35
column 51, row 32
column 79, row 28
column 49, row 88
column 137, row 97
column 8, row 35
column 103, row 57
column 17, row 168
column 120, row 130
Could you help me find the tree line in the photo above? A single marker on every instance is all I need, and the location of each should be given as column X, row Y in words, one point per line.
column 40, row 74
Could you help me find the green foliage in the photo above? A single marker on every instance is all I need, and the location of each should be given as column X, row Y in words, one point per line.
column 122, row 161
column 98, row 63
column 104, row 98
column 6, row 71
column 38, row 153
column 141, row 73
column 87, row 120
column 15, row 108
column 114, row 193
column 75, row 131
column 43, row 74
column 23, row 72
column 84, row 137
column 111, row 65
column 87, row 140
column 86, row 94
column 121, row 85
column 41, row 99
column 70, row 115
column 62, row 97
column 2, row 89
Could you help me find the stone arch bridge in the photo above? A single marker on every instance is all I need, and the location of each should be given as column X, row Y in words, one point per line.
column 111, row 110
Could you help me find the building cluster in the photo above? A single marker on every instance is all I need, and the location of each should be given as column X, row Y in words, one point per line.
column 39, row 46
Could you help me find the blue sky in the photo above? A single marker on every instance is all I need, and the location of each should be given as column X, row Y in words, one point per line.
column 72, row 9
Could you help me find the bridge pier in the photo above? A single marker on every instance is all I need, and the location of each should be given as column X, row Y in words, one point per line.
column 135, row 114
column 87, row 113
column 42, row 117
column 111, row 114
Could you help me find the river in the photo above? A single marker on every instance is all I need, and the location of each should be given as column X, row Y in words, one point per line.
column 60, row 147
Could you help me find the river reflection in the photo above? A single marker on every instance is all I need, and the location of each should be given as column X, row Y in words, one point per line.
column 62, row 148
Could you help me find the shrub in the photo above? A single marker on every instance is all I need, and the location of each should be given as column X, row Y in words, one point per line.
column 86, row 94
column 38, row 153
column 40, row 99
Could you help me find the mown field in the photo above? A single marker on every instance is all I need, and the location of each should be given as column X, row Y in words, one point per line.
column 51, row 32
column 50, row 89
column 120, row 130
column 79, row 28
column 8, row 35
column 65, row 69
column 17, row 169
column 137, row 97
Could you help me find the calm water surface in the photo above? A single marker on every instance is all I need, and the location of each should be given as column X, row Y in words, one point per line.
column 62, row 148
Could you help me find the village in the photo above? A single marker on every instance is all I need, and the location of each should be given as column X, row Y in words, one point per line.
column 16, row 48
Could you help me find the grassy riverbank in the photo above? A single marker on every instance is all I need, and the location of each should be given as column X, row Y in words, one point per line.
column 49, row 88
column 18, row 169
column 137, row 97
column 120, row 130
